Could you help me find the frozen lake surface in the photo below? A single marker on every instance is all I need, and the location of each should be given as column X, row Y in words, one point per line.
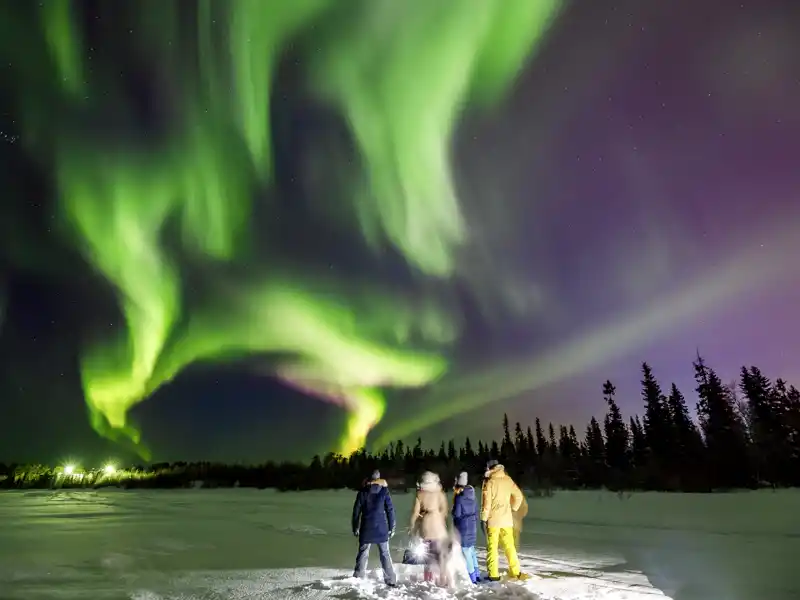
column 248, row 544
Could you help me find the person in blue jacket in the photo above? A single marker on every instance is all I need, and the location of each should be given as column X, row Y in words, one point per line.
column 374, row 523
column 465, row 520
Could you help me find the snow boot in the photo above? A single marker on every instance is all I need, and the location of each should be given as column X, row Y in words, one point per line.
column 473, row 577
column 522, row 577
column 428, row 575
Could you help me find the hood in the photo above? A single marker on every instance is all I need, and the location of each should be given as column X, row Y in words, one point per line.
column 376, row 485
column 496, row 472
column 467, row 491
column 429, row 482
column 430, row 486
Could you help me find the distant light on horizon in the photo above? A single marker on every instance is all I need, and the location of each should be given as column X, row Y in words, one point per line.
column 109, row 469
column 69, row 470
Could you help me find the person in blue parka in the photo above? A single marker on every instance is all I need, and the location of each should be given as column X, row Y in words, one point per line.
column 465, row 520
column 374, row 523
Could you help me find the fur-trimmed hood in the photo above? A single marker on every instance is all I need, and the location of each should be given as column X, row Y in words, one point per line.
column 495, row 471
column 429, row 482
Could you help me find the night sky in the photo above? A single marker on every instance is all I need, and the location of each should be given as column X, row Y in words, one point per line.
column 636, row 196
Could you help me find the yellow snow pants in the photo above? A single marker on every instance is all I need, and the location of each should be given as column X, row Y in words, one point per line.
column 505, row 536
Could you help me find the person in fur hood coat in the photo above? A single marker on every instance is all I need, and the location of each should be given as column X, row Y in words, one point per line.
column 429, row 521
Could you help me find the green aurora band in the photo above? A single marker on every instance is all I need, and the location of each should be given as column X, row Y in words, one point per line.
column 399, row 72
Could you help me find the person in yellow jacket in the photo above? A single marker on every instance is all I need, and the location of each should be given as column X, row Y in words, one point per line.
column 499, row 500
column 519, row 515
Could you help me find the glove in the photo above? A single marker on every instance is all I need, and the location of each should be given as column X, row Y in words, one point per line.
column 356, row 532
column 483, row 528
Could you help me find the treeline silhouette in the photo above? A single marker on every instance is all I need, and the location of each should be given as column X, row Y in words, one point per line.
column 747, row 435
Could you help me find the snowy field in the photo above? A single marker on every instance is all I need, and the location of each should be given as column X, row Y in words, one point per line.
column 247, row 544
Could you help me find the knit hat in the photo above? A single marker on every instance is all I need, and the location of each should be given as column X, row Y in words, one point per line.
column 463, row 479
column 492, row 464
column 376, row 475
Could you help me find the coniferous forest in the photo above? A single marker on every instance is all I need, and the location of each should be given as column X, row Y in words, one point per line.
column 746, row 435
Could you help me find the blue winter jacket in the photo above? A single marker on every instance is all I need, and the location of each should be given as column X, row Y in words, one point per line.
column 373, row 513
column 465, row 516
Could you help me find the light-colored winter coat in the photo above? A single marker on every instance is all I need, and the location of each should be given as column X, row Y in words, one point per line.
column 429, row 515
column 500, row 498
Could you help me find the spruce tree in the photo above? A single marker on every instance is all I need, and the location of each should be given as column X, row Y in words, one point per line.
column 595, row 444
column 468, row 452
column 563, row 457
column 520, row 446
column 657, row 423
column 793, row 424
column 595, row 449
column 727, row 458
column 617, row 437
column 541, row 442
column 573, row 440
column 451, row 450
column 531, row 443
column 788, row 398
column 494, row 451
column 507, row 446
column 399, row 451
column 571, row 456
column 483, row 453
column 568, row 450
column 418, row 453
column 793, row 395
column 638, row 443
column 552, row 445
column 768, row 408
column 688, row 450
column 563, row 441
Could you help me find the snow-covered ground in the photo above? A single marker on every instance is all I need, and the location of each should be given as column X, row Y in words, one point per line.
column 247, row 544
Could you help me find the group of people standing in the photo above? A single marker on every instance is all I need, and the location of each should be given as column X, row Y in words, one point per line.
column 500, row 514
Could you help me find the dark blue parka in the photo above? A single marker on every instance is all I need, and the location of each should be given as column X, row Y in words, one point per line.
column 373, row 513
column 465, row 516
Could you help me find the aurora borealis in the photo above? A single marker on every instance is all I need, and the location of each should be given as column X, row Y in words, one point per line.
column 417, row 216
